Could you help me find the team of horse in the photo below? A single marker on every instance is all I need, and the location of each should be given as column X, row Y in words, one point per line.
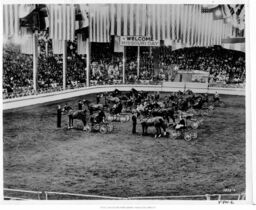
column 150, row 110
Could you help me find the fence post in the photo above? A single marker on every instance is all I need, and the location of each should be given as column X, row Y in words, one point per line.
column 208, row 197
column 219, row 197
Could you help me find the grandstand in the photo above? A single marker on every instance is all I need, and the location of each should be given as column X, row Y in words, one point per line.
column 61, row 54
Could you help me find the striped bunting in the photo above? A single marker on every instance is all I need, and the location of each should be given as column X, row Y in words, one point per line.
column 11, row 15
column 100, row 23
column 62, row 21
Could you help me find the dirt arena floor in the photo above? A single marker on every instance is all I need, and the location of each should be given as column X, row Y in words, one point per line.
column 38, row 156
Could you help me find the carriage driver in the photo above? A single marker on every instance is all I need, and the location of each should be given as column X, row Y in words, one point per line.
column 181, row 124
column 216, row 97
column 99, row 118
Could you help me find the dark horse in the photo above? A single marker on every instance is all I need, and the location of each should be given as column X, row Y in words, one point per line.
column 80, row 115
column 157, row 122
column 166, row 113
column 93, row 106
column 117, row 108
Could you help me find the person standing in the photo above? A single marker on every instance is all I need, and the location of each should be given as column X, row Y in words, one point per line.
column 80, row 105
column 59, row 112
column 98, row 98
column 134, row 123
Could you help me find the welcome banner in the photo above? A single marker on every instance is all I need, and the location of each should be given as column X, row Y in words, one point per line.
column 139, row 41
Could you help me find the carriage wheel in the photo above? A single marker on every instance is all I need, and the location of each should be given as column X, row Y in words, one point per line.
column 194, row 125
column 110, row 118
column 127, row 118
column 87, row 129
column 122, row 118
column 222, row 104
column 178, row 133
column 194, row 135
column 103, row 129
column 173, row 134
column 110, row 128
column 211, row 107
column 187, row 136
column 96, row 127
column 118, row 118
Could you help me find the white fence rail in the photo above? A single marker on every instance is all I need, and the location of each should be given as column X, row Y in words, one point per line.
column 18, row 194
column 54, row 96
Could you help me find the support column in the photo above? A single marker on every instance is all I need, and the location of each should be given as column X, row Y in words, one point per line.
column 138, row 62
column 46, row 48
column 64, row 64
column 124, row 60
column 35, row 60
column 88, row 61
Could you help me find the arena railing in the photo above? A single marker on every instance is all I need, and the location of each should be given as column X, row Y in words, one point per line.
column 11, row 103
column 93, row 83
column 18, row 194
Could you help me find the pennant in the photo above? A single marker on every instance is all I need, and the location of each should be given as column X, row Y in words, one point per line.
column 26, row 45
column 57, row 47
column 62, row 21
column 81, row 45
column 117, row 46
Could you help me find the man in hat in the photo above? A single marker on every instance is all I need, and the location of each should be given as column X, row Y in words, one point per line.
column 134, row 122
column 59, row 112
column 98, row 98
column 80, row 105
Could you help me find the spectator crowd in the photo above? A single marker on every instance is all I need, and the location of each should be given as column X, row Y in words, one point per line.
column 225, row 67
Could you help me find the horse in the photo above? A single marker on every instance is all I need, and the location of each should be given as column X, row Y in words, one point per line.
column 116, row 109
column 157, row 122
column 79, row 114
column 93, row 106
column 116, row 93
column 165, row 113
column 133, row 92
column 113, row 99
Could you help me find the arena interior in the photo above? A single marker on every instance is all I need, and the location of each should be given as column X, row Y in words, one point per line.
column 78, row 79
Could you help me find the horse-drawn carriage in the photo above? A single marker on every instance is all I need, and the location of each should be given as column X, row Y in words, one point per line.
column 186, row 128
column 99, row 123
column 187, row 134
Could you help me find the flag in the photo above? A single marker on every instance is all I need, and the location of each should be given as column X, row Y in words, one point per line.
column 117, row 46
column 26, row 41
column 36, row 19
column 81, row 45
column 83, row 12
column 62, row 21
column 57, row 46
column 100, row 23
column 11, row 15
